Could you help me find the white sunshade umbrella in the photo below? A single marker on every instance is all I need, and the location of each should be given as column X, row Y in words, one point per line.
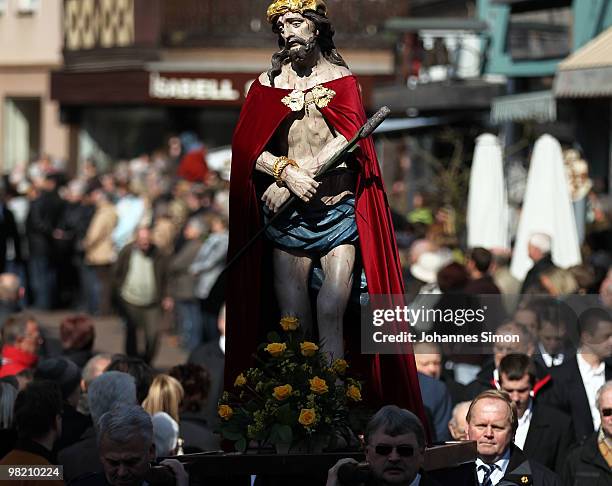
column 220, row 159
column 487, row 211
column 547, row 208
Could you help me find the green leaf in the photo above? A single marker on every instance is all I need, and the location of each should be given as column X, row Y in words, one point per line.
column 274, row 337
column 284, row 414
column 285, row 434
column 232, row 435
column 241, row 444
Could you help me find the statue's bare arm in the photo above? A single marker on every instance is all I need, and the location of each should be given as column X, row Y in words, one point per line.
column 276, row 195
column 297, row 180
column 314, row 164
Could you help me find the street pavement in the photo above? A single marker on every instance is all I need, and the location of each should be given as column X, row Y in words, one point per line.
column 110, row 337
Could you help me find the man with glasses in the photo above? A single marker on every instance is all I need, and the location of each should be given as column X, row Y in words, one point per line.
column 492, row 422
column 591, row 464
column 394, row 451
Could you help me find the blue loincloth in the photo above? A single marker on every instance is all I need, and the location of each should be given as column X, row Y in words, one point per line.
column 314, row 230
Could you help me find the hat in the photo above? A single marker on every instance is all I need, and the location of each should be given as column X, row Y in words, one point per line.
column 165, row 434
column 61, row 371
column 427, row 266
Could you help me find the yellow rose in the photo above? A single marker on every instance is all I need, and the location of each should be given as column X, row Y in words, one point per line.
column 276, row 349
column 225, row 412
column 308, row 348
column 282, row 392
column 240, row 380
column 353, row 393
column 289, row 323
column 307, row 417
column 339, row 366
column 318, row 385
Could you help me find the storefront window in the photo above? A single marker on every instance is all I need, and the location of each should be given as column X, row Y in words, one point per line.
column 21, row 131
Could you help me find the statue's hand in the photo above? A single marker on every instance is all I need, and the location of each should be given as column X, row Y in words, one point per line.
column 275, row 196
column 300, row 182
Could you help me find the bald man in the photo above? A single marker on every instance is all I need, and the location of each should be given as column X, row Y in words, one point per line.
column 458, row 423
column 10, row 294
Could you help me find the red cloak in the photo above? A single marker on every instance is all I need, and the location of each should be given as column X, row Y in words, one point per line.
column 392, row 378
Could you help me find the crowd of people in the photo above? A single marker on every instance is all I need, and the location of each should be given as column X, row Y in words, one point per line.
column 140, row 241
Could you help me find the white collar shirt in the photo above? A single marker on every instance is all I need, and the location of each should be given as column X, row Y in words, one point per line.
column 593, row 379
column 549, row 359
column 500, row 468
column 523, row 426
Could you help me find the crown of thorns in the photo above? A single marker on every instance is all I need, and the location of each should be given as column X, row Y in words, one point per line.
column 281, row 7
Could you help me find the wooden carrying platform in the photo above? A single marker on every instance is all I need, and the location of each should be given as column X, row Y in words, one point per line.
column 451, row 463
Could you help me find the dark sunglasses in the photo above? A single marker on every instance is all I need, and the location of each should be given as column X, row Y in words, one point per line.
column 606, row 412
column 402, row 450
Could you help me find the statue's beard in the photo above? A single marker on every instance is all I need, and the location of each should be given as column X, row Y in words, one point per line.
column 302, row 52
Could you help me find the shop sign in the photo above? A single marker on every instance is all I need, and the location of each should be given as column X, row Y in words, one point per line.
column 208, row 89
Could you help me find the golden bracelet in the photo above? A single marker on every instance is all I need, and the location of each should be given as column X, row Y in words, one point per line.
column 279, row 166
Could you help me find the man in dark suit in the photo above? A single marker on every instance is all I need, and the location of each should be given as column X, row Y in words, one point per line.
column 8, row 232
column 590, row 464
column 492, row 422
column 539, row 248
column 488, row 377
column 543, row 433
column 394, row 449
column 577, row 380
column 437, row 400
column 554, row 326
column 211, row 356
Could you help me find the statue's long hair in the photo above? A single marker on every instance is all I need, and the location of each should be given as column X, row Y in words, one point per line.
column 325, row 40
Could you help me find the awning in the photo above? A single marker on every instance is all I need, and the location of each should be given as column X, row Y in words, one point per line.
column 473, row 94
column 410, row 24
column 540, row 106
column 401, row 124
column 587, row 73
column 519, row 6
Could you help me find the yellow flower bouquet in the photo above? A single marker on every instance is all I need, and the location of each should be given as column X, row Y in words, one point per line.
column 295, row 399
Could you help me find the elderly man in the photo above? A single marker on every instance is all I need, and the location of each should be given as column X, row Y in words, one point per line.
column 457, row 426
column 394, row 450
column 492, row 422
column 590, row 465
column 107, row 390
column 125, row 438
column 10, row 294
column 538, row 249
column 298, row 114
column 141, row 287
column 92, row 369
column 21, row 342
column 543, row 433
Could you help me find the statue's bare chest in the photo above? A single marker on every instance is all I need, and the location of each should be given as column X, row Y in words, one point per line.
column 305, row 130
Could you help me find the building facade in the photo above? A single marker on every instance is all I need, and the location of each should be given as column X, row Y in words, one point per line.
column 139, row 71
column 30, row 48
column 536, row 45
